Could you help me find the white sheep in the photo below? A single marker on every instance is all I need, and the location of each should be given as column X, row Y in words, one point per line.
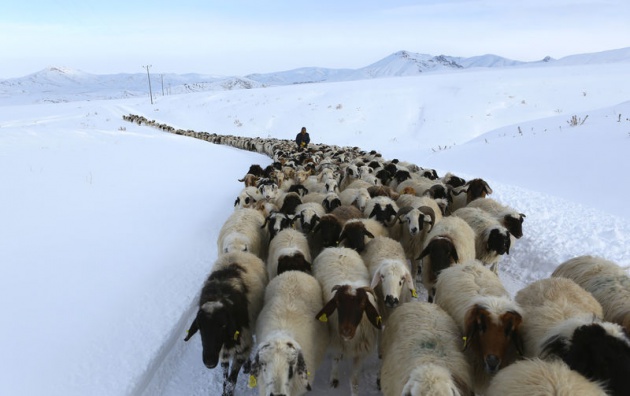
column 386, row 262
column 288, row 250
column 492, row 239
column 247, row 198
column 472, row 190
column 422, row 354
column 345, row 285
column 510, row 218
column 357, row 197
column 563, row 321
column 243, row 231
column 606, row 281
column 291, row 342
column 450, row 241
column 539, row 377
column 485, row 313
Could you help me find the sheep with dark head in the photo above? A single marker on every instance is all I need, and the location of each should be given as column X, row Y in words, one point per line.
column 564, row 321
column 230, row 301
column 484, row 311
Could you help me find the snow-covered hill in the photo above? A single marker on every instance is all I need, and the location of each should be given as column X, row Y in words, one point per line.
column 108, row 228
column 63, row 84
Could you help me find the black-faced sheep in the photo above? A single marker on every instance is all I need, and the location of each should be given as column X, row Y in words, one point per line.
column 450, row 241
column 491, row 238
column 563, row 321
column 307, row 215
column 472, row 190
column 231, row 299
column 276, row 222
column 485, row 313
column 288, row 251
column 422, row 353
column 345, row 285
column 540, row 377
column 291, row 342
column 606, row 281
column 355, row 233
column 510, row 218
column 382, row 209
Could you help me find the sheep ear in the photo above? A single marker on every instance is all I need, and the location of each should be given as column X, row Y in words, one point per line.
column 369, row 234
column 327, row 310
column 454, row 254
column 376, row 279
column 471, row 324
column 342, row 237
column 194, row 327
column 300, row 367
column 425, row 252
column 255, row 366
column 372, row 314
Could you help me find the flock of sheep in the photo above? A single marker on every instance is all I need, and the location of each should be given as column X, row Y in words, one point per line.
column 322, row 252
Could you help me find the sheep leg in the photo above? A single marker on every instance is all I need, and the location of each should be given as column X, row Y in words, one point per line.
column 334, row 372
column 354, row 379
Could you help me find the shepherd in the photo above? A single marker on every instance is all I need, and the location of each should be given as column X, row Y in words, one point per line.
column 302, row 139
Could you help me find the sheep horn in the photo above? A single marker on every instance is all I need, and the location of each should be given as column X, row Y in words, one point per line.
column 404, row 210
column 430, row 212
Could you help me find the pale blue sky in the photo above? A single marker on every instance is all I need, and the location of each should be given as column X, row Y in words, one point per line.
column 238, row 37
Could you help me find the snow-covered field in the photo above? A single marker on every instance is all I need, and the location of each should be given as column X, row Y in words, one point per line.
column 108, row 229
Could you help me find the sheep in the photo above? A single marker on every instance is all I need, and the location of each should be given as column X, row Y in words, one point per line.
column 356, row 232
column 484, row 311
column 386, row 262
column 287, row 202
column 383, row 209
column 291, row 343
column 331, row 202
column 345, row 287
column 540, row 377
column 422, row 353
column 230, row 301
column 491, row 239
column 357, row 197
column 508, row 217
column 415, row 225
column 450, row 241
column 385, row 191
column 307, row 215
column 244, row 231
column 563, row 321
column 247, row 198
column 330, row 225
column 438, row 205
column 452, row 180
column 289, row 250
column 350, row 174
column 606, row 281
column 276, row 222
column 250, row 180
column 474, row 189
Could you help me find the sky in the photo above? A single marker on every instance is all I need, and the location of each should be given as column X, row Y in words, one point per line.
column 243, row 37
column 109, row 228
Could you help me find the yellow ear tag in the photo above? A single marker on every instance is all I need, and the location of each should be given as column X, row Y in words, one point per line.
column 252, row 382
column 323, row 318
column 379, row 320
column 236, row 334
column 414, row 294
column 465, row 341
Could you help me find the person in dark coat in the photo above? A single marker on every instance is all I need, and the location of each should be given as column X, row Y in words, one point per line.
column 302, row 139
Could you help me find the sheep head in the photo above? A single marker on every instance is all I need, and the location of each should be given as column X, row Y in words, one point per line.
column 350, row 304
column 277, row 363
column 491, row 335
column 393, row 275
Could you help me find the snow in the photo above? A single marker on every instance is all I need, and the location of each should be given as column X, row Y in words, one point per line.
column 108, row 228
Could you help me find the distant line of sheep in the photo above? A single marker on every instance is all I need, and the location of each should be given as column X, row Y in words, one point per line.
column 322, row 252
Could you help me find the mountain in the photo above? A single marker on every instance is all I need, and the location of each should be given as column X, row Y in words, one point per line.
column 62, row 84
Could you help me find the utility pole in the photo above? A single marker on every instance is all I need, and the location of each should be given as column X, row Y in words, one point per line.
column 162, row 75
column 149, row 77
